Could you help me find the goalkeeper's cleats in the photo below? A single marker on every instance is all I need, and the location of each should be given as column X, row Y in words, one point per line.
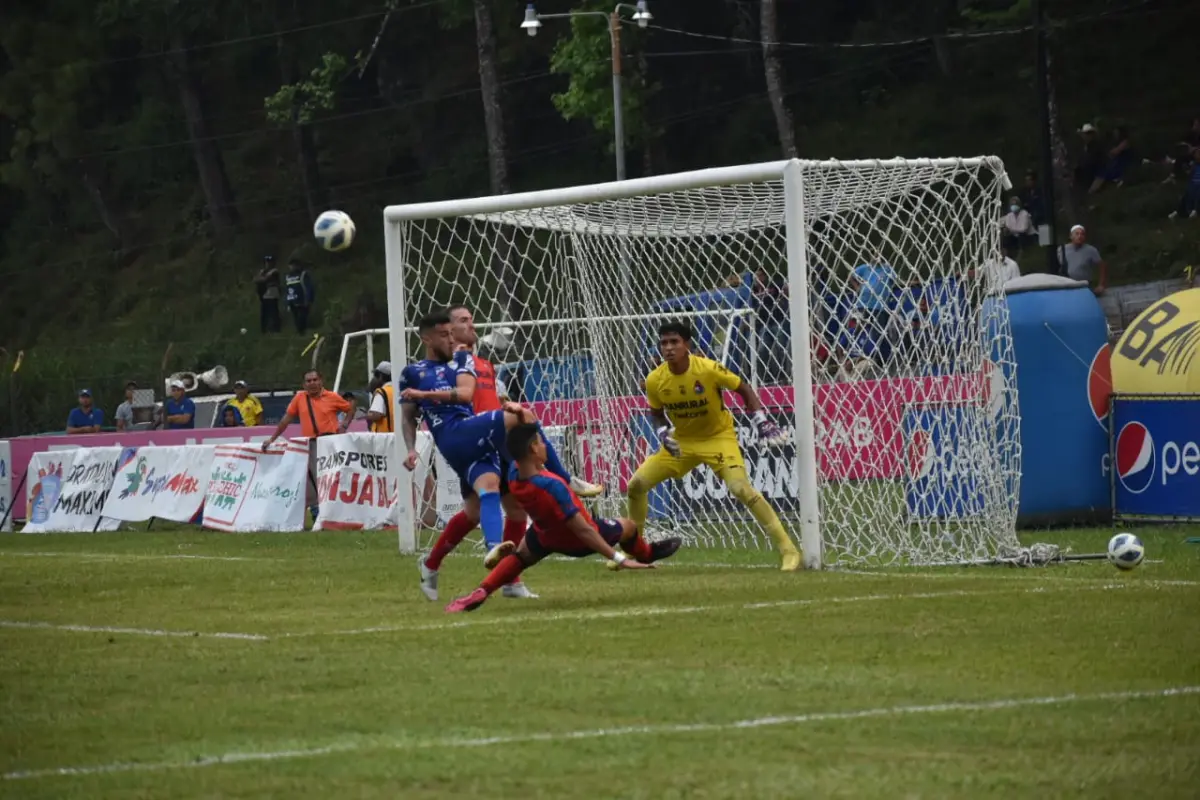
column 429, row 580
column 497, row 554
column 468, row 602
column 584, row 488
column 518, row 589
column 664, row 548
column 792, row 561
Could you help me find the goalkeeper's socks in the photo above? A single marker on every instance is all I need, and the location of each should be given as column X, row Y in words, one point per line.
column 552, row 461
column 456, row 530
column 514, row 530
column 507, row 571
column 639, row 548
column 491, row 518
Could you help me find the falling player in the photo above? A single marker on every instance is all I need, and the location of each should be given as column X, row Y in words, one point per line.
column 443, row 388
column 694, row 427
column 560, row 524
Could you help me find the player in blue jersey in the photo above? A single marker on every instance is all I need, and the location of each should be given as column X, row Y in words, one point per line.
column 440, row 388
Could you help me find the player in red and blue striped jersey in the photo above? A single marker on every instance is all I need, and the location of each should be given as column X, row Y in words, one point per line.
column 560, row 524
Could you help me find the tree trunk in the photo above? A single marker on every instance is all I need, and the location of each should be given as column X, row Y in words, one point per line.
column 1064, row 189
column 209, row 163
column 91, row 182
column 316, row 196
column 497, row 147
column 774, row 73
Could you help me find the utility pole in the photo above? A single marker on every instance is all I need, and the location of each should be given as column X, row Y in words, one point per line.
column 1047, row 169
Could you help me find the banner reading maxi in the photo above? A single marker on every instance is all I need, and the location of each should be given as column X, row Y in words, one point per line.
column 67, row 490
column 1156, row 456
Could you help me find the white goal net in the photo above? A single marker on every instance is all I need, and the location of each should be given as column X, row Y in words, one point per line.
column 901, row 402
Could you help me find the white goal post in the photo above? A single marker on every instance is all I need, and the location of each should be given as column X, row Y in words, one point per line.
column 854, row 295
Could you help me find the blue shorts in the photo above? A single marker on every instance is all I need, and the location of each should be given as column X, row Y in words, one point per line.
column 565, row 543
column 472, row 447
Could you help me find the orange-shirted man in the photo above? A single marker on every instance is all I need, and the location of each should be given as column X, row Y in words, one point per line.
column 489, row 396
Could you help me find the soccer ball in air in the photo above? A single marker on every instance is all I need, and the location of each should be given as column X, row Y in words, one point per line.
column 334, row 230
column 1126, row 550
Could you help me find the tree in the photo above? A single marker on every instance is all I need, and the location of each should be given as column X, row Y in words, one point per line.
column 296, row 105
column 769, row 23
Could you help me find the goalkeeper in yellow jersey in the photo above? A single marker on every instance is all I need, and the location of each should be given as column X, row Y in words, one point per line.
column 694, row 427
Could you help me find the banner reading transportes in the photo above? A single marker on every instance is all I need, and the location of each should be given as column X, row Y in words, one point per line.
column 66, row 490
column 1156, row 456
column 249, row 490
column 356, row 482
column 161, row 482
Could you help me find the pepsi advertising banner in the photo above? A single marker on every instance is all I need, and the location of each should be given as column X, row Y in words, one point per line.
column 943, row 477
column 1156, row 456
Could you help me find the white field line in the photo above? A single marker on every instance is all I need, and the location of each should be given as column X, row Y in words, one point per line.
column 556, row 737
column 129, row 556
column 50, row 626
column 653, row 611
column 1029, row 575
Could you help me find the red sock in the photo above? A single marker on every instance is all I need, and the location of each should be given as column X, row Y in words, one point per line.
column 637, row 547
column 505, row 573
column 456, row 530
column 514, row 530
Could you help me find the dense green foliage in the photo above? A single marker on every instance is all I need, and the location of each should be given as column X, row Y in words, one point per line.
column 152, row 151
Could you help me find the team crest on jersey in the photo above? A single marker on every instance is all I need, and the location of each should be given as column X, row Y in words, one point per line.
column 698, row 388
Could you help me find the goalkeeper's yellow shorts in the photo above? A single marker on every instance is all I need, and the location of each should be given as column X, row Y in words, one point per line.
column 719, row 453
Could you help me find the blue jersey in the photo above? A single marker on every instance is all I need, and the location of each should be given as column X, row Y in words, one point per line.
column 470, row 443
column 428, row 375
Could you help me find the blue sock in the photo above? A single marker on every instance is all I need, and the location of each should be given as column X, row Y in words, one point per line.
column 491, row 518
column 552, row 462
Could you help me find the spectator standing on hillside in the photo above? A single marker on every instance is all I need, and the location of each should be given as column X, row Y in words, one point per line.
column 179, row 412
column 1031, row 199
column 1189, row 204
column 124, row 413
column 1081, row 260
column 248, row 406
column 1090, row 166
column 1018, row 228
column 300, row 293
column 267, row 283
column 1116, row 160
column 86, row 418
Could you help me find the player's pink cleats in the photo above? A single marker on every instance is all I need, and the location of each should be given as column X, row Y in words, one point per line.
column 468, row 602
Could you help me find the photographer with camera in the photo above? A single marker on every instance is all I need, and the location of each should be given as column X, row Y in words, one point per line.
column 268, row 285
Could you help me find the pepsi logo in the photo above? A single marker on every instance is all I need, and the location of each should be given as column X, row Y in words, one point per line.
column 1135, row 457
column 920, row 454
column 1099, row 384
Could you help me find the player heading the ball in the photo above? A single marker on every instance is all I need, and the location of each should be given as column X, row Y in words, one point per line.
column 694, row 427
column 560, row 524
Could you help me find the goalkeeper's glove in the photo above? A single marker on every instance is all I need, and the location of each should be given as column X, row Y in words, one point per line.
column 666, row 438
column 770, row 434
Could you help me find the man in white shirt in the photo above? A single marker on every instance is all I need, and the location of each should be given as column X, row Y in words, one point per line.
column 1018, row 227
column 996, row 273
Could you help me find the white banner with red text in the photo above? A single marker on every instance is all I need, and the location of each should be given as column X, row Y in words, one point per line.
column 356, row 478
column 160, row 482
column 66, row 490
column 249, row 490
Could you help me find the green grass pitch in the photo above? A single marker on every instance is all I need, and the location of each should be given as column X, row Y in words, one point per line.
column 197, row 665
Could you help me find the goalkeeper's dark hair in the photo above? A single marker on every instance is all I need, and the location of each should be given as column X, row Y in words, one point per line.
column 432, row 320
column 676, row 326
column 521, row 438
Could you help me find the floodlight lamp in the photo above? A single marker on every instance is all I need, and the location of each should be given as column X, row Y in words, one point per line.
column 531, row 23
column 642, row 15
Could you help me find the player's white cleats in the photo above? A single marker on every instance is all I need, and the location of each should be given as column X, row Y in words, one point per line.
column 666, row 438
column 584, row 488
column 518, row 589
column 428, row 580
column 497, row 554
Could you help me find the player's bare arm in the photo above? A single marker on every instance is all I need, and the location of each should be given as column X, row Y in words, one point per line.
column 409, row 415
column 591, row 537
column 463, row 392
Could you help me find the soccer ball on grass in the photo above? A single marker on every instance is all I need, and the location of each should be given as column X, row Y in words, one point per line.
column 1126, row 551
column 334, row 230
